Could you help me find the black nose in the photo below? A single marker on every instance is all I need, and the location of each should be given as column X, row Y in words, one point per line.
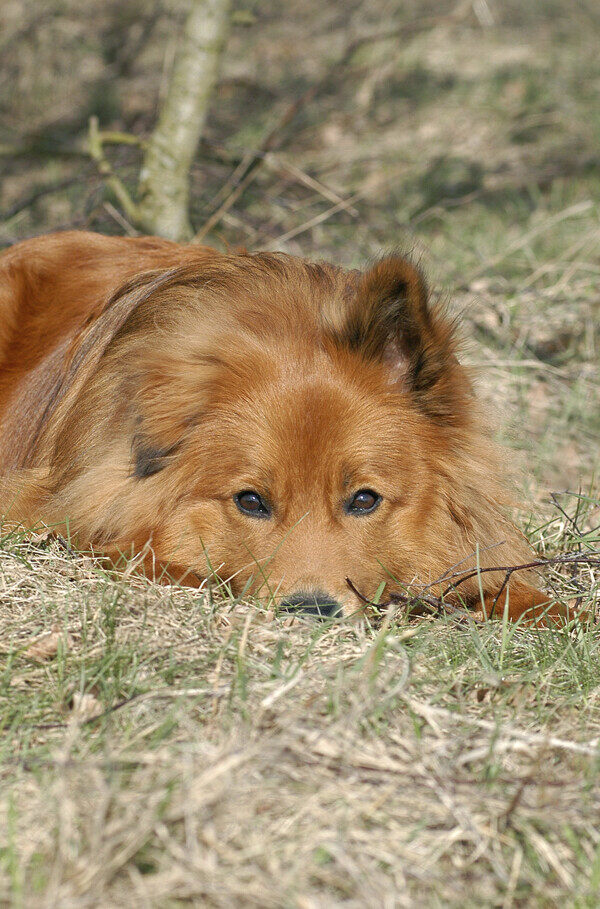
column 315, row 603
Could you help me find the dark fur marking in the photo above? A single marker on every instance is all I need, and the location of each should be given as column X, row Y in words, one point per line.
column 150, row 460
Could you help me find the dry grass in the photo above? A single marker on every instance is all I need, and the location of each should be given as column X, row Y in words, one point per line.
column 162, row 746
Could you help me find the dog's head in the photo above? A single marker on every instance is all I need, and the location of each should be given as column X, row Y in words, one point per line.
column 283, row 424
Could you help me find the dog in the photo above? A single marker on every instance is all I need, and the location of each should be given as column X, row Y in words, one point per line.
column 283, row 424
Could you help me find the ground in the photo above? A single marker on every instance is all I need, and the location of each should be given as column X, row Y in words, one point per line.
column 166, row 747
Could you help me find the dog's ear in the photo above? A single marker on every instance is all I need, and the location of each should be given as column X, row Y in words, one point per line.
column 392, row 321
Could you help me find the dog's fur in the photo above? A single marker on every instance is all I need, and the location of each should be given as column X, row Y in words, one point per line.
column 143, row 384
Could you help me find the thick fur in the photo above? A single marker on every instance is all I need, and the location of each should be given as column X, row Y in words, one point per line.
column 143, row 384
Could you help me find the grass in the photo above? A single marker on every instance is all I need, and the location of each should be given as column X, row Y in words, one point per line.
column 170, row 747
column 164, row 747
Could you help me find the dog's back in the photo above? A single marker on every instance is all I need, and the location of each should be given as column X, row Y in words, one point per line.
column 50, row 289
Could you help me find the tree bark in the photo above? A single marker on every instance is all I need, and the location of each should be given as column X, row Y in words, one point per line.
column 164, row 178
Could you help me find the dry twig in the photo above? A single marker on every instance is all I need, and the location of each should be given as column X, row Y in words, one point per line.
column 422, row 603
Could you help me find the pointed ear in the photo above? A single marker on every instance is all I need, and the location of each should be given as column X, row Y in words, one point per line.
column 390, row 320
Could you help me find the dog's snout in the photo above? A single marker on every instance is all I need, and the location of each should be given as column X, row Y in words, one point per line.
column 312, row 603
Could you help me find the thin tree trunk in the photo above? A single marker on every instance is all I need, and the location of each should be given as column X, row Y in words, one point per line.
column 164, row 177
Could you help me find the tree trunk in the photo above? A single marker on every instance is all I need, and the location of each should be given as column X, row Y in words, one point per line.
column 164, row 177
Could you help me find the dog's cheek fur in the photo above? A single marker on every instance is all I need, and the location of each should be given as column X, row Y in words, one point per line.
column 215, row 539
column 472, row 504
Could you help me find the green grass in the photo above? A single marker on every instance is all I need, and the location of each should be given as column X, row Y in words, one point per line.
column 178, row 747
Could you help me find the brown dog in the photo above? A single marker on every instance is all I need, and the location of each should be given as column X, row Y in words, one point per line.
column 283, row 423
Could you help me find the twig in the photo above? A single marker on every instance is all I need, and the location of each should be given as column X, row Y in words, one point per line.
column 115, row 137
column 64, row 545
column 246, row 171
column 438, row 604
column 285, row 167
column 318, row 219
column 106, row 172
column 566, row 559
column 414, row 603
column 120, row 219
column 572, row 521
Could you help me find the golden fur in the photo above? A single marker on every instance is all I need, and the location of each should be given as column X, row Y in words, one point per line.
column 144, row 384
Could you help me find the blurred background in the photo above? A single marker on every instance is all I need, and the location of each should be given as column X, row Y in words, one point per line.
column 467, row 133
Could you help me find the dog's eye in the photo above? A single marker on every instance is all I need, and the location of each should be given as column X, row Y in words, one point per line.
column 250, row 503
column 363, row 502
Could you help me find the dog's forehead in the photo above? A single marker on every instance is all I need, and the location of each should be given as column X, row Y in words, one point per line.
column 302, row 424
